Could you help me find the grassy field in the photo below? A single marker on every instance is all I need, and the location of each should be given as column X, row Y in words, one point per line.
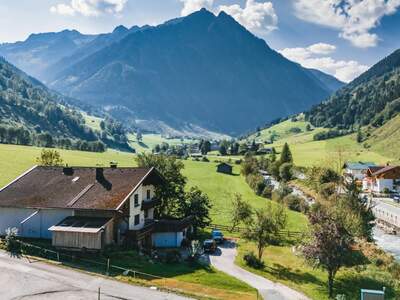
column 386, row 139
column 307, row 152
column 221, row 188
column 283, row 266
column 92, row 121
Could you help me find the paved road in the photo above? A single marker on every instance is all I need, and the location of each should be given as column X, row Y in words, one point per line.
column 224, row 260
column 22, row 279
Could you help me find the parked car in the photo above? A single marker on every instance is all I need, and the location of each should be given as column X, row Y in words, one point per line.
column 217, row 236
column 209, row 246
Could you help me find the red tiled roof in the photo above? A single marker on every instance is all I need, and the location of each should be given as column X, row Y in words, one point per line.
column 51, row 187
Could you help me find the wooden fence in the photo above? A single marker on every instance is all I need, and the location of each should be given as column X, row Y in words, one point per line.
column 281, row 233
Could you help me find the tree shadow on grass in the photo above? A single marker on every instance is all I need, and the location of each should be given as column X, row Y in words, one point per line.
column 296, row 276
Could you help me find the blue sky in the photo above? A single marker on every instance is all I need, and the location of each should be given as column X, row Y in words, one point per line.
column 340, row 37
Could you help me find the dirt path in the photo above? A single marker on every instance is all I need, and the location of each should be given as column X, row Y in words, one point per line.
column 224, row 260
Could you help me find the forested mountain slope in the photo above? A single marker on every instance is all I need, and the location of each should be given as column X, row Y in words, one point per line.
column 371, row 99
column 31, row 114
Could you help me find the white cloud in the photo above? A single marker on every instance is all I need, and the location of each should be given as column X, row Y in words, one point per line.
column 89, row 8
column 255, row 16
column 313, row 57
column 322, row 48
column 353, row 18
column 190, row 6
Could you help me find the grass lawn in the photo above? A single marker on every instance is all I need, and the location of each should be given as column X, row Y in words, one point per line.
column 283, row 266
column 221, row 188
column 307, row 152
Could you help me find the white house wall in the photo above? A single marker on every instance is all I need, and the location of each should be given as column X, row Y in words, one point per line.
column 142, row 192
column 35, row 227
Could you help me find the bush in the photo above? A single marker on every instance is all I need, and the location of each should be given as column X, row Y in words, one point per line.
column 267, row 192
column 295, row 203
column 11, row 242
column 394, row 269
column 283, row 191
column 252, row 261
column 256, row 182
column 295, row 130
column 172, row 257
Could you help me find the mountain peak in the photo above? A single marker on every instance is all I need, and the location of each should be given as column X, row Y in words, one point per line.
column 120, row 29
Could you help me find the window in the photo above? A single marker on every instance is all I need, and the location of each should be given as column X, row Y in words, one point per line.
column 136, row 200
column 148, row 195
column 146, row 214
column 137, row 219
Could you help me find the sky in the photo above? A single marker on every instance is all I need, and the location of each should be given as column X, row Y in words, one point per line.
column 340, row 37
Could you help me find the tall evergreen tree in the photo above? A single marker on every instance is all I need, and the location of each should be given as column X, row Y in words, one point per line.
column 286, row 154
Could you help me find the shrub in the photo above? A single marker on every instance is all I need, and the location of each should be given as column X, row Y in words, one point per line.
column 283, row 191
column 172, row 257
column 394, row 269
column 252, row 261
column 295, row 130
column 296, row 203
column 267, row 192
column 11, row 243
column 379, row 262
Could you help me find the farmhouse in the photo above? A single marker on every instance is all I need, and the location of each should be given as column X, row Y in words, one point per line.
column 382, row 179
column 89, row 208
column 224, row 168
column 357, row 170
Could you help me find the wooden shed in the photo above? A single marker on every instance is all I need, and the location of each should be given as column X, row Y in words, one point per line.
column 83, row 233
column 224, row 168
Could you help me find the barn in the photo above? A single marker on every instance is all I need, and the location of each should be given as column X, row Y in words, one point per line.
column 224, row 168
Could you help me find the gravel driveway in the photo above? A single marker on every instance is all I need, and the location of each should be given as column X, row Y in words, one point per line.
column 24, row 279
column 224, row 260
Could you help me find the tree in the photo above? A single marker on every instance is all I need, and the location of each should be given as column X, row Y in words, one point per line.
column 49, row 158
column 286, row 155
column 223, row 147
column 356, row 211
column 308, row 127
column 102, row 125
column 359, row 135
column 330, row 246
column 198, row 205
column 285, row 171
column 241, row 211
column 264, row 227
column 205, row 147
column 172, row 192
column 139, row 136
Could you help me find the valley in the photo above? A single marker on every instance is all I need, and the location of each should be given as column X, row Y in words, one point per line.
column 165, row 155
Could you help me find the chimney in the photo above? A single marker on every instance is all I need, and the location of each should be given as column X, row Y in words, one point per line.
column 113, row 165
column 99, row 174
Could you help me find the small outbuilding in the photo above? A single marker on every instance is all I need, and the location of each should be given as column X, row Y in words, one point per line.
column 224, row 168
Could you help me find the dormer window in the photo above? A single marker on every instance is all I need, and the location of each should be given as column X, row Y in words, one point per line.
column 148, row 195
column 136, row 200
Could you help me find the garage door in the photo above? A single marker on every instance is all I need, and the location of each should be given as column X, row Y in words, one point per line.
column 165, row 240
